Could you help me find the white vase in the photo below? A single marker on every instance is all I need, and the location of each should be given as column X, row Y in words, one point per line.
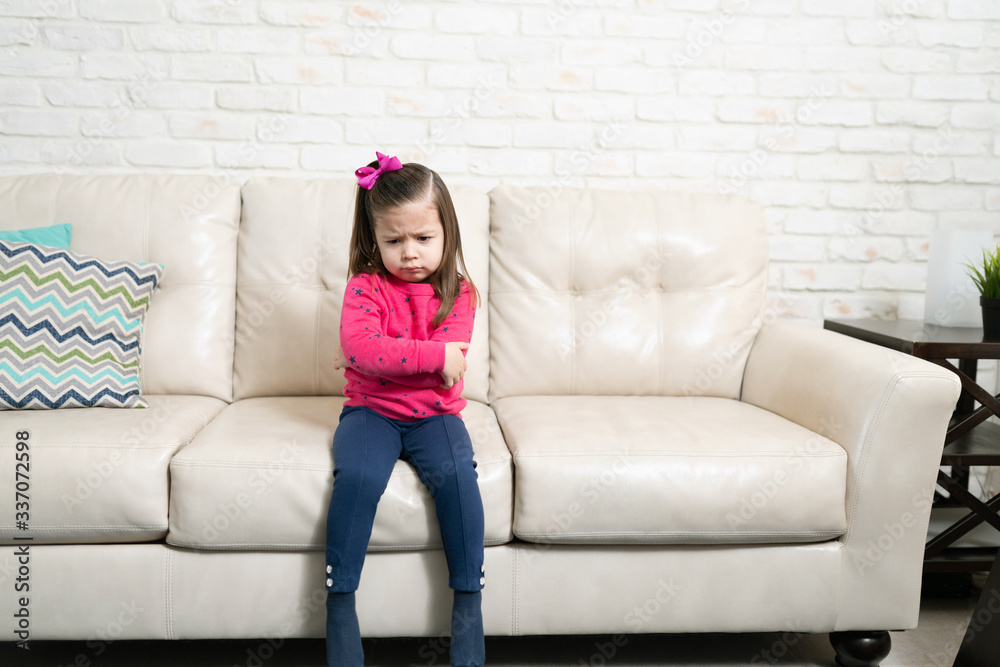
column 952, row 296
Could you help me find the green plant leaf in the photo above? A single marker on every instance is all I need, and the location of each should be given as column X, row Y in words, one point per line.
column 988, row 278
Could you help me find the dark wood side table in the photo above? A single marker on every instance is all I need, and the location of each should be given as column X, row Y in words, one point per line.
column 970, row 440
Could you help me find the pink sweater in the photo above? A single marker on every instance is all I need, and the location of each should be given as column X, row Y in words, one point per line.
column 395, row 357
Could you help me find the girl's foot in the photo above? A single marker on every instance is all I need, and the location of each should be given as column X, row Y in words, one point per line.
column 468, row 646
column 343, row 637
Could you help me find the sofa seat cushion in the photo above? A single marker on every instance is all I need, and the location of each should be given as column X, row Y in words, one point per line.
column 260, row 476
column 99, row 474
column 668, row 470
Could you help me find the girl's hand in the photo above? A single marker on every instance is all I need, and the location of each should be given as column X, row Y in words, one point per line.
column 338, row 359
column 454, row 363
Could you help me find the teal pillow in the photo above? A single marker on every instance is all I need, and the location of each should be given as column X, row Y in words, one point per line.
column 56, row 236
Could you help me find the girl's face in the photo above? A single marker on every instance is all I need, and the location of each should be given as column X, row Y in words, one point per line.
column 410, row 240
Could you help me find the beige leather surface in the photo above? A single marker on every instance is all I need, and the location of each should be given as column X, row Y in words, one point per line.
column 155, row 591
column 889, row 411
column 628, row 293
column 260, row 475
column 640, row 589
column 186, row 223
column 293, row 256
column 668, row 470
column 621, row 324
column 99, row 474
column 402, row 594
column 89, row 592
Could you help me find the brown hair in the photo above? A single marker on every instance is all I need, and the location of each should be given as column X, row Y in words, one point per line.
column 414, row 182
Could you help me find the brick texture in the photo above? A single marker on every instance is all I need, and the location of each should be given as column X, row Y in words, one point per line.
column 860, row 125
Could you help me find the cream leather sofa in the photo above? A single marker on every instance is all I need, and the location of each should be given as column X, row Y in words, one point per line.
column 657, row 451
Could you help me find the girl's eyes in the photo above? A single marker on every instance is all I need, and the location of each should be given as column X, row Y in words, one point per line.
column 419, row 238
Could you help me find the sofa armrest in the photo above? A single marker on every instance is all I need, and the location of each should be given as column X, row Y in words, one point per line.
column 890, row 412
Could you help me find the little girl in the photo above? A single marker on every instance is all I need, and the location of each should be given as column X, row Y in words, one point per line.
column 404, row 330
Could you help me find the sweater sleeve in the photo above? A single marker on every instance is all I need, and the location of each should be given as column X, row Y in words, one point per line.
column 367, row 347
column 457, row 327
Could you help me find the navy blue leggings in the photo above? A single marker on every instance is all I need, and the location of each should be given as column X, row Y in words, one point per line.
column 366, row 446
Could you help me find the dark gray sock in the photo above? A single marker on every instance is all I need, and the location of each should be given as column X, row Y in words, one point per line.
column 468, row 646
column 343, row 637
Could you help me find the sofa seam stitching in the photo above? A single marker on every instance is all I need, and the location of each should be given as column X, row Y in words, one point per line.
column 695, row 454
column 285, row 546
column 99, row 445
column 866, row 449
column 249, row 465
column 684, row 532
column 123, row 527
column 516, row 607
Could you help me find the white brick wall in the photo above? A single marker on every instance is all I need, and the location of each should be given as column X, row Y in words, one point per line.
column 861, row 125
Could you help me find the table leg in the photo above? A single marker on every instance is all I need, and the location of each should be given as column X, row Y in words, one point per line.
column 969, row 367
column 964, row 407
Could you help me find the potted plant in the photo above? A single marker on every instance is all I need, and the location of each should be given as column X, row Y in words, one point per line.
column 987, row 280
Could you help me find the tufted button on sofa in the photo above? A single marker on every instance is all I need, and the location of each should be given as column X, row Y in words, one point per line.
column 658, row 449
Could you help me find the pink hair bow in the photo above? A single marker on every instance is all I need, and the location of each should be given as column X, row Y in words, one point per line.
column 367, row 175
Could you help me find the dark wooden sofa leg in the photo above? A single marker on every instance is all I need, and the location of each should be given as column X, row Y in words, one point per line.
column 861, row 648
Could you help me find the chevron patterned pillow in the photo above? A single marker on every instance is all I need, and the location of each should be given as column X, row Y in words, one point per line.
column 71, row 328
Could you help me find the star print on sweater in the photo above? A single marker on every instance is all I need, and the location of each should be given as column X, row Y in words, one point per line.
column 396, row 357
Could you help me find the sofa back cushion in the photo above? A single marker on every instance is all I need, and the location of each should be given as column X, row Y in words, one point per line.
column 186, row 223
column 598, row 292
column 293, row 256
